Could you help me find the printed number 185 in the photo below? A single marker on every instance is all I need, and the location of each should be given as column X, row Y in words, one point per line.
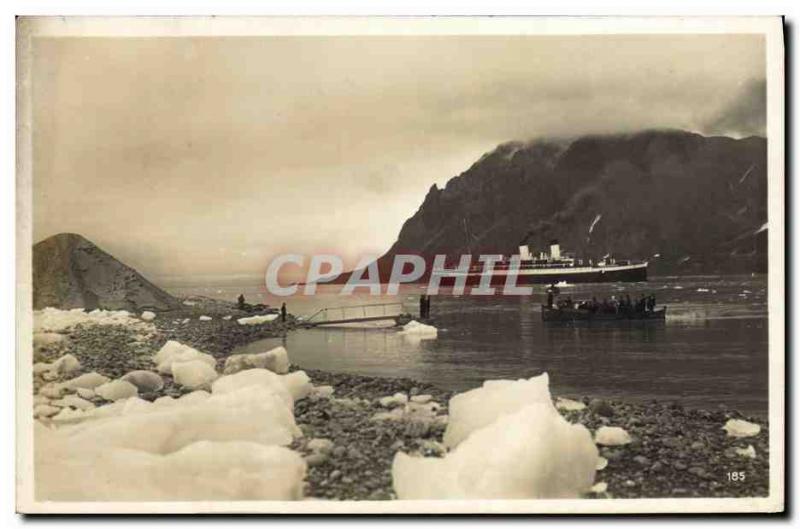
column 736, row 476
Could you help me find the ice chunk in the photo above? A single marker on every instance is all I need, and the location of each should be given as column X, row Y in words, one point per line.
column 45, row 410
column 320, row 445
column 480, row 407
column 398, row 399
column 134, row 405
column 530, row 453
column 145, row 381
column 66, row 364
column 418, row 331
column 397, row 414
column 52, row 391
column 569, row 404
column 422, row 399
column 748, row 452
column 87, row 380
column 741, row 428
column 173, row 351
column 148, row 315
column 602, row 463
column 203, row 471
column 74, row 401
column 257, row 320
column 227, row 317
column 298, row 384
column 42, row 367
column 276, row 360
column 116, row 390
column 69, row 415
column 85, row 393
column 45, row 340
column 321, row 392
column 253, row 377
column 194, row 374
column 205, row 318
column 599, row 488
column 611, row 436
column 164, row 429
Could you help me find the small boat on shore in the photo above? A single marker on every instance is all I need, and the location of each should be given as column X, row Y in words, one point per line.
column 565, row 314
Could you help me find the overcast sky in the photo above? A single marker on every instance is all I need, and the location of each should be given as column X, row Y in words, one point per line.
column 209, row 155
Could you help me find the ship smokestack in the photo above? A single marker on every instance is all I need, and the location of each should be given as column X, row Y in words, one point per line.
column 524, row 252
column 555, row 249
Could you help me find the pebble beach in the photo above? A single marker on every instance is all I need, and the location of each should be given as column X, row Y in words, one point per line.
column 349, row 442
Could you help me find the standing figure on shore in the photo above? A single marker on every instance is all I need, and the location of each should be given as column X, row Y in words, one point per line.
column 549, row 299
column 427, row 307
column 283, row 312
column 423, row 304
column 651, row 302
column 240, row 302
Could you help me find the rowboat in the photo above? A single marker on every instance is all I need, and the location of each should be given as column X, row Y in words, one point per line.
column 553, row 314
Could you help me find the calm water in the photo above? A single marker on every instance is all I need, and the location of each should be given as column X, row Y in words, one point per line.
column 711, row 350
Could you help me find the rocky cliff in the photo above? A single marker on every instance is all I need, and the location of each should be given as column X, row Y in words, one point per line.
column 686, row 202
column 70, row 272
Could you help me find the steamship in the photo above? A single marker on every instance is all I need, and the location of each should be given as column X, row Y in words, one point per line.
column 555, row 267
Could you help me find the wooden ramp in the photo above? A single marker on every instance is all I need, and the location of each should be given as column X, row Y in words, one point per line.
column 357, row 314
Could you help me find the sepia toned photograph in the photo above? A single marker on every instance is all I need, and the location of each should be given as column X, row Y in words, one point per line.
column 387, row 265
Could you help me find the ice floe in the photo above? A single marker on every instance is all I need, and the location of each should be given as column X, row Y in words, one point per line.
column 417, row 331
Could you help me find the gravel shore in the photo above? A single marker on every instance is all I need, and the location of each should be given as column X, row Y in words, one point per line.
column 674, row 452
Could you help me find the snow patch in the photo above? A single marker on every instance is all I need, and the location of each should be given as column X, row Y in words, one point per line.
column 54, row 320
column 595, row 221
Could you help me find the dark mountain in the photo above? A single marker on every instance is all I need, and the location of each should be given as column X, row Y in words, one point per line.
column 71, row 272
column 698, row 202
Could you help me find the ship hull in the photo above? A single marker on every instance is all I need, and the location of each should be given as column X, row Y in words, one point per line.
column 548, row 276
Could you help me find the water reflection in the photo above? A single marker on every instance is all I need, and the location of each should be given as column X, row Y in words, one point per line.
column 711, row 350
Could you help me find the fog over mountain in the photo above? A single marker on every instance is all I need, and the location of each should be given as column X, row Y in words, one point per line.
column 190, row 156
